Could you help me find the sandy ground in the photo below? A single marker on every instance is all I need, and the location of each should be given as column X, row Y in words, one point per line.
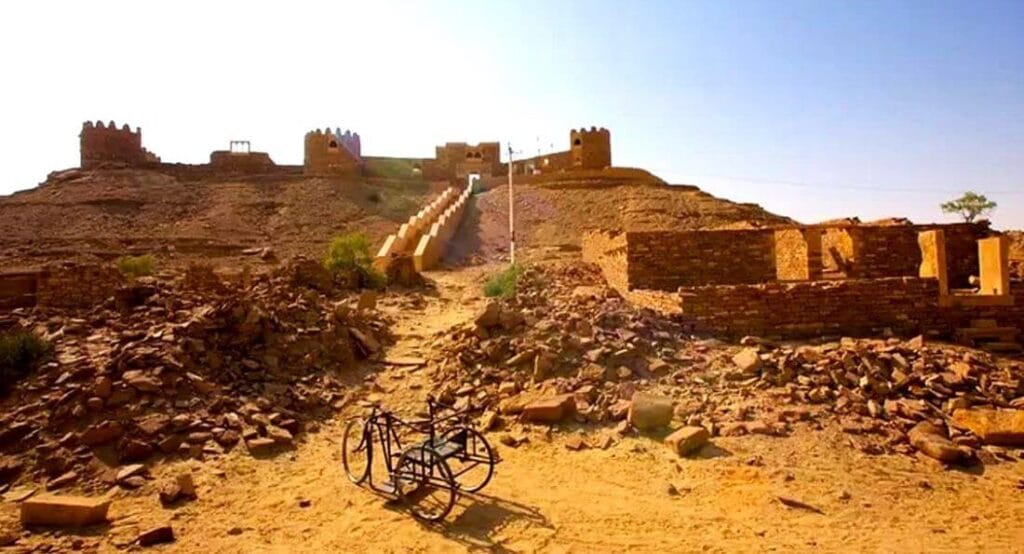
column 545, row 498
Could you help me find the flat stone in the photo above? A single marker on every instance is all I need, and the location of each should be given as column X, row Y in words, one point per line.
column 649, row 412
column 65, row 511
column 131, row 470
column 156, row 535
column 996, row 427
column 260, row 446
column 549, row 410
column 687, row 440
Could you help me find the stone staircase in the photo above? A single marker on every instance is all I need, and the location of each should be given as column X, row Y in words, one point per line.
column 988, row 335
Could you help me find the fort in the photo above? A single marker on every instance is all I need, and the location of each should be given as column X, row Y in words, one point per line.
column 332, row 152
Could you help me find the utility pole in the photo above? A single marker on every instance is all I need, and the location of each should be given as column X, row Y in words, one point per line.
column 511, row 212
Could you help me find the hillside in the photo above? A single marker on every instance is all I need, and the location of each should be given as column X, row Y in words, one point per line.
column 101, row 214
column 104, row 214
column 557, row 214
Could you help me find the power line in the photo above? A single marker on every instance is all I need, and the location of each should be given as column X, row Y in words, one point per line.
column 872, row 188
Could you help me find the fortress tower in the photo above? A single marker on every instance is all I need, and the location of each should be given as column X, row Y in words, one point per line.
column 107, row 146
column 327, row 152
column 590, row 149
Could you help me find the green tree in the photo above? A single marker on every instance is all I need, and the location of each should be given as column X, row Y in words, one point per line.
column 969, row 206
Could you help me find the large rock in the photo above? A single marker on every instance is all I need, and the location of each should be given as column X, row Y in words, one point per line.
column 998, row 427
column 687, row 440
column 549, row 410
column 490, row 316
column 747, row 360
column 66, row 511
column 648, row 412
column 931, row 441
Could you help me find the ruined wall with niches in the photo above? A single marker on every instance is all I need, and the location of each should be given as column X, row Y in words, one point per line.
column 108, row 146
column 590, row 149
column 868, row 251
column 665, row 260
column 77, row 285
column 241, row 162
column 326, row 155
column 856, row 307
column 607, row 250
column 798, row 254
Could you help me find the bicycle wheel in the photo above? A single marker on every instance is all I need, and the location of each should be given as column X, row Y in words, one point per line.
column 473, row 464
column 357, row 450
column 424, row 483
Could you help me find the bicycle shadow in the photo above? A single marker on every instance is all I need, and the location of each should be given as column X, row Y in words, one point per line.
column 480, row 517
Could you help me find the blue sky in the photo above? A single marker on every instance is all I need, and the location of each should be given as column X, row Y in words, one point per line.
column 814, row 110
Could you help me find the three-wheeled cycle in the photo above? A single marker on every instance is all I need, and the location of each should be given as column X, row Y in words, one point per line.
column 427, row 461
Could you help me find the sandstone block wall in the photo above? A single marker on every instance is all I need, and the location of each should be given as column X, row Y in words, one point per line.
column 869, row 251
column 813, row 308
column 667, row 260
column 64, row 286
column 77, row 285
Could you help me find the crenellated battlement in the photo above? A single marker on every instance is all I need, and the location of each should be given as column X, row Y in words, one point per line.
column 332, row 152
column 107, row 145
column 590, row 148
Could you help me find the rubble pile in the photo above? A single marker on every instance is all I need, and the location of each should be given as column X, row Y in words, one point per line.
column 191, row 368
column 567, row 346
column 883, row 390
column 563, row 331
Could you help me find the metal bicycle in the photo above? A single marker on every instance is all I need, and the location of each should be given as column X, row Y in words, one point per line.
column 428, row 462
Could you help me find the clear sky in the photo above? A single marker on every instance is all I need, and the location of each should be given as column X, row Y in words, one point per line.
column 814, row 109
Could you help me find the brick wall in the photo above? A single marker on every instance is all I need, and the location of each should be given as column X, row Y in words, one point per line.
column 869, row 251
column 77, row 285
column 667, row 260
column 854, row 307
column 811, row 308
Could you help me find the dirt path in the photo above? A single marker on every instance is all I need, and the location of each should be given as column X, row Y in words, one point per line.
column 546, row 498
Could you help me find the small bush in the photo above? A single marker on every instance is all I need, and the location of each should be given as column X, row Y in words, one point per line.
column 503, row 284
column 136, row 266
column 351, row 253
column 374, row 197
column 20, row 351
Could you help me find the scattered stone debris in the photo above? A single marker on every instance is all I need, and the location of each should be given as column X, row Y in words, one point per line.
column 566, row 333
column 183, row 372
